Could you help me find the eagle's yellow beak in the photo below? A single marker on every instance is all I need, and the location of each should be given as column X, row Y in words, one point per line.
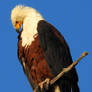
column 18, row 26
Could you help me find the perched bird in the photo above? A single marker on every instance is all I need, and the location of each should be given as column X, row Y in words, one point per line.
column 42, row 51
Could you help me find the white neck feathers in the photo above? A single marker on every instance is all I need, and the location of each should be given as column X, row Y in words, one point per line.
column 30, row 26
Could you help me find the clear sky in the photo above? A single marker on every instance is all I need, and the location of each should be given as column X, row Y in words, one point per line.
column 73, row 18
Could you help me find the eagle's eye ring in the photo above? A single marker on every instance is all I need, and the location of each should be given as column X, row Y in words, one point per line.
column 16, row 22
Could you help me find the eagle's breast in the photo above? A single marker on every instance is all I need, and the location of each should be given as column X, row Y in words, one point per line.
column 35, row 60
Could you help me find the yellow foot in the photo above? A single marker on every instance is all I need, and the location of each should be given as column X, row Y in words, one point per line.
column 45, row 84
column 35, row 90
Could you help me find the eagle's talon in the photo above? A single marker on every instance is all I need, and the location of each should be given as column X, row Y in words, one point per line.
column 35, row 90
column 45, row 84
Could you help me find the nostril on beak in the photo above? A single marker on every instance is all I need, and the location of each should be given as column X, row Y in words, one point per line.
column 17, row 30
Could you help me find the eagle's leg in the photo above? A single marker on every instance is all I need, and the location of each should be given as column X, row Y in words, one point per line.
column 44, row 85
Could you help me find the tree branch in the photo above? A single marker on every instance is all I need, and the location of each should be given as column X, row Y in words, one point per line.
column 63, row 71
column 68, row 68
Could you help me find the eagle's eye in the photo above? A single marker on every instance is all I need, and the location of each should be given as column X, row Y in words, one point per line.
column 18, row 26
column 16, row 22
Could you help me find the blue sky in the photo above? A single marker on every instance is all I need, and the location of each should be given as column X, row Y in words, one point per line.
column 73, row 18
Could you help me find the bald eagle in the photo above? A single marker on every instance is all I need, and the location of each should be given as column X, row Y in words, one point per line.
column 42, row 50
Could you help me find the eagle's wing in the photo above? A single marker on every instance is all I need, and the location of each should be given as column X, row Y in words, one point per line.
column 55, row 50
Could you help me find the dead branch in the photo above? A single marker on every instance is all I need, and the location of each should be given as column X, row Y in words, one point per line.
column 68, row 68
column 65, row 70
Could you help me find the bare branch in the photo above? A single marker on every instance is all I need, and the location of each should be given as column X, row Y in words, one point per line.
column 63, row 71
column 68, row 68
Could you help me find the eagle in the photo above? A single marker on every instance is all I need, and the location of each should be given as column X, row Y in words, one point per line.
column 42, row 51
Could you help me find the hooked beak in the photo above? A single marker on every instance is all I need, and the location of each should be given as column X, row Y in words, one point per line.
column 18, row 27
